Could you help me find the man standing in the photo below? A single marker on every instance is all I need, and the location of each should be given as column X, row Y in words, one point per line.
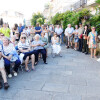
column 51, row 30
column 38, row 29
column 59, row 31
column 69, row 35
column 20, row 28
column 80, row 35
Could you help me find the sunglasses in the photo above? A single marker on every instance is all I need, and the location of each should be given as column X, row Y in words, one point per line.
column 2, row 35
column 23, row 38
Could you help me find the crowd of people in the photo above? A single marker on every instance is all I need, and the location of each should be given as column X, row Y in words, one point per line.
column 22, row 44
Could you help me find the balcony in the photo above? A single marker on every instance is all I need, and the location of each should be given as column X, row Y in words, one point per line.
column 79, row 4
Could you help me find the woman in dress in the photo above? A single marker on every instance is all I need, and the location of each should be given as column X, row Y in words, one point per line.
column 92, row 42
column 56, row 45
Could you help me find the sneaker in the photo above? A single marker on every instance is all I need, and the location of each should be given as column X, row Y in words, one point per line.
column 0, row 85
column 6, row 86
column 9, row 76
column 45, row 63
column 15, row 74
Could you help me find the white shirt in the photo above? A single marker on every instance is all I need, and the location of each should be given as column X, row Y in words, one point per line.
column 8, row 49
column 58, row 31
column 69, row 30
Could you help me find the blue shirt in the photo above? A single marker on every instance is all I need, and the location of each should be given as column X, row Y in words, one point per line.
column 20, row 29
column 37, row 28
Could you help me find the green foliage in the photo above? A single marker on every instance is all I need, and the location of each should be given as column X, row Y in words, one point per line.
column 98, row 1
column 95, row 21
column 57, row 18
column 40, row 21
column 75, row 18
column 71, row 17
column 37, row 18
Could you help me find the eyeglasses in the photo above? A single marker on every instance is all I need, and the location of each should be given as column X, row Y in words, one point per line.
column 23, row 38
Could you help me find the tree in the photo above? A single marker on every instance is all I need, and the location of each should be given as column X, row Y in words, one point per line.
column 40, row 21
column 37, row 17
column 98, row 1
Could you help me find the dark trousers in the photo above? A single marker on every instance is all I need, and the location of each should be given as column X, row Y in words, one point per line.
column 80, row 44
column 43, row 52
column 7, row 65
column 85, row 49
column 26, row 54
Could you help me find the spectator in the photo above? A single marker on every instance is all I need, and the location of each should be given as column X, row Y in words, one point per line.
column 92, row 42
column 69, row 36
column 51, row 30
column 24, row 48
column 56, row 45
column 85, row 35
column 38, row 46
column 2, row 70
column 38, row 29
column 5, row 30
column 80, row 35
column 76, row 39
column 59, row 31
column 10, row 55
column 44, row 40
column 20, row 28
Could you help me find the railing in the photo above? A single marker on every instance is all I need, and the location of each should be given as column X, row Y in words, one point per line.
column 79, row 4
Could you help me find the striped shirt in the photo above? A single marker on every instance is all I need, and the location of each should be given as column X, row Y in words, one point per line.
column 23, row 46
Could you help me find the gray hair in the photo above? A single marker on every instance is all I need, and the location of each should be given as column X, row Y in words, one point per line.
column 37, row 35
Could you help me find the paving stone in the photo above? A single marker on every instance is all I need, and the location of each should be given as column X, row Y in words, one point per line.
column 66, row 97
column 77, row 90
column 90, row 98
column 32, row 95
column 55, row 87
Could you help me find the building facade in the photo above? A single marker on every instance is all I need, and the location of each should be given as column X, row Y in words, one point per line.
column 12, row 17
column 89, row 4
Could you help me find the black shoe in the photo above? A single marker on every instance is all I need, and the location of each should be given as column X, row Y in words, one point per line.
column 0, row 85
column 86, row 53
column 67, row 47
column 72, row 47
column 45, row 63
column 6, row 86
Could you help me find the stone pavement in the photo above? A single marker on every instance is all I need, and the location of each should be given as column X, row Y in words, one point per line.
column 73, row 77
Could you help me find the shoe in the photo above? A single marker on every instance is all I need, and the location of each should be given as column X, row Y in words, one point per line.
column 60, row 55
column 0, row 85
column 72, row 47
column 9, row 76
column 67, row 47
column 36, row 63
column 33, row 69
column 45, row 63
column 15, row 74
column 6, row 86
column 53, row 56
column 27, row 70
column 86, row 53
